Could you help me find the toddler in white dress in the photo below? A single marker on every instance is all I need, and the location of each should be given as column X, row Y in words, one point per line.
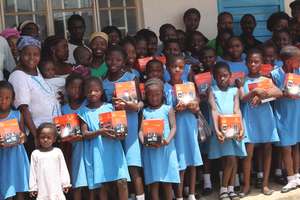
column 49, row 177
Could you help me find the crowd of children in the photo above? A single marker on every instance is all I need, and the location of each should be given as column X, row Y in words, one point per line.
column 247, row 80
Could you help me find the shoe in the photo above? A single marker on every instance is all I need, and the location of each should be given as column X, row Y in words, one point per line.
column 224, row 196
column 280, row 180
column 268, row 192
column 289, row 187
column 237, row 188
column 233, row 196
column 207, row 191
column 244, row 194
column 258, row 183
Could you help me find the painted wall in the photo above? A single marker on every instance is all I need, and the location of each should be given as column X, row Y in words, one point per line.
column 158, row 12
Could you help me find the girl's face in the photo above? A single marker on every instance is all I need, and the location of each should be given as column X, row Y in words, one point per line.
column 61, row 50
column 191, row 22
column 93, row 92
column 248, row 25
column 222, row 77
column 281, row 24
column 31, row 30
column 154, row 95
column 209, row 58
column 176, row 69
column 270, row 55
column 115, row 61
column 30, row 57
column 12, row 42
column 197, row 43
column 225, row 23
column 283, row 39
column 46, row 138
column 6, row 99
column 254, row 63
column 155, row 70
column 141, row 48
column 152, row 46
column 114, row 38
column 75, row 90
column 181, row 39
column 168, row 34
column 86, row 58
column 235, row 49
column 172, row 49
column 98, row 46
column 224, row 37
column 131, row 54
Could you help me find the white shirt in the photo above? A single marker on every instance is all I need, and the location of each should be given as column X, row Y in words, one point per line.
column 48, row 174
column 71, row 58
column 7, row 60
column 57, row 84
column 35, row 92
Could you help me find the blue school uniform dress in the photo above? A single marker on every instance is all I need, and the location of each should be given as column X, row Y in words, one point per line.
column 184, row 76
column 14, row 166
column 160, row 164
column 78, row 173
column 136, row 73
column 225, row 105
column 259, row 121
column 104, row 158
column 186, row 138
column 236, row 66
column 131, row 143
column 287, row 112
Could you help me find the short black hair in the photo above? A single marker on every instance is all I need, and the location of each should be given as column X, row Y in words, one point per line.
column 48, row 44
column 116, row 48
column 222, row 14
column 247, row 15
column 75, row 17
column 255, row 51
column 205, row 49
column 149, row 63
column 191, row 11
column 111, row 29
column 72, row 77
column 46, row 125
column 170, row 41
column 7, row 85
column 220, row 65
column 274, row 18
column 163, row 28
column 288, row 52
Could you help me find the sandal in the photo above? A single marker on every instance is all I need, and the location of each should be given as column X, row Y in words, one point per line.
column 244, row 194
column 233, row 196
column 267, row 192
column 224, row 196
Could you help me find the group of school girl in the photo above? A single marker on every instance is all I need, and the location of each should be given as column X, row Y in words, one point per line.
column 108, row 167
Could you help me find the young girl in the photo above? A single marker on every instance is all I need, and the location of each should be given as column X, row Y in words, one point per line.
column 234, row 56
column 49, row 176
column 100, row 146
column 186, row 142
column 281, row 38
column 286, row 111
column 74, row 92
column 172, row 48
column 14, row 164
column 98, row 44
column 116, row 59
column 255, row 113
column 155, row 69
column 224, row 100
column 196, row 41
column 160, row 163
column 271, row 56
column 129, row 48
column 141, row 46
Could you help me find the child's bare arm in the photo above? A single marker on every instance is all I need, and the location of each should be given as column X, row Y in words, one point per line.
column 92, row 134
column 237, row 111
column 215, row 115
column 28, row 121
column 172, row 121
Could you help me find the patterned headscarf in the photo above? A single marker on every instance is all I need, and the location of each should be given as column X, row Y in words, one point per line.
column 26, row 41
column 10, row 32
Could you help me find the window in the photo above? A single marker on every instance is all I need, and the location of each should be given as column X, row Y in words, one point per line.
column 52, row 15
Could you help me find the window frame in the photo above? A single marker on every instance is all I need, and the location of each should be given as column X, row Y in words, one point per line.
column 95, row 9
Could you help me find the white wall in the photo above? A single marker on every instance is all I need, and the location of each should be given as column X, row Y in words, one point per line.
column 158, row 12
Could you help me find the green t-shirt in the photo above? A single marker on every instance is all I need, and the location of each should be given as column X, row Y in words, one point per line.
column 101, row 71
column 218, row 48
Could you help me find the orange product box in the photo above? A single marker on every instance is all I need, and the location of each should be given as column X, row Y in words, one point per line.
column 162, row 59
column 126, row 91
column 185, row 92
column 203, row 81
column 230, row 125
column 142, row 62
column 67, row 126
column 142, row 90
column 10, row 132
column 263, row 84
column 153, row 130
column 236, row 75
column 116, row 120
column 292, row 84
column 266, row 69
